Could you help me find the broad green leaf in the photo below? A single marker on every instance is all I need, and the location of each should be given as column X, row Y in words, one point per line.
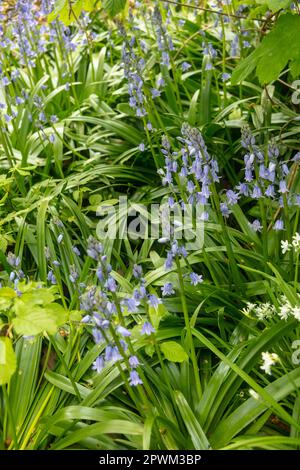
column 173, row 351
column 68, row 12
column 8, row 362
column 33, row 320
column 156, row 314
column 6, row 297
column 40, row 297
column 275, row 5
column 278, row 49
column 113, row 7
column 58, row 7
column 88, row 5
column 3, row 244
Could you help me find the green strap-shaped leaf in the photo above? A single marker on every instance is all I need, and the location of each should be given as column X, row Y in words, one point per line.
column 8, row 362
column 194, row 428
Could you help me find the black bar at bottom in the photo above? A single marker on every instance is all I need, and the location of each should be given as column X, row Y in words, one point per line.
column 144, row 459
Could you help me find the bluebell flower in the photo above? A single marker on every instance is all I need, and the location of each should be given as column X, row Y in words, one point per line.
column 283, row 187
column 19, row 100
column 232, row 197
column 73, row 276
column 160, row 82
column 135, row 378
column 76, row 250
column 123, row 331
column 169, row 261
column 185, row 66
column 256, row 225
column 149, row 126
column 51, row 277
column 97, row 335
column 98, row 364
column 137, row 271
column 270, row 191
column 147, row 329
column 99, row 274
column 86, row 319
column 167, row 289
column 5, row 81
column 279, row 225
column 95, row 248
column 155, row 93
column 7, row 117
column 133, row 362
column 112, row 354
column 224, row 209
column 132, row 304
column 165, row 59
column 225, row 76
column 111, row 284
column 13, row 260
column 256, row 193
column 196, row 278
column 154, row 301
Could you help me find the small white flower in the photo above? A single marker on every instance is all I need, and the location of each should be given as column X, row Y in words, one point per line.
column 264, row 311
column 284, row 311
column 285, row 246
column 253, row 394
column 269, row 360
column 249, row 308
column 296, row 241
column 296, row 313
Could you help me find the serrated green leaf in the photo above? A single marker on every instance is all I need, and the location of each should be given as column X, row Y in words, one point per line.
column 275, row 5
column 173, row 351
column 68, row 13
column 3, row 244
column 113, row 7
column 278, row 49
column 76, row 315
column 88, row 5
column 8, row 361
column 6, row 296
column 32, row 320
column 59, row 6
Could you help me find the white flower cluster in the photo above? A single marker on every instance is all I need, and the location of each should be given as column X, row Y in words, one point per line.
column 287, row 310
column 269, row 360
column 261, row 311
column 266, row 310
column 295, row 245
